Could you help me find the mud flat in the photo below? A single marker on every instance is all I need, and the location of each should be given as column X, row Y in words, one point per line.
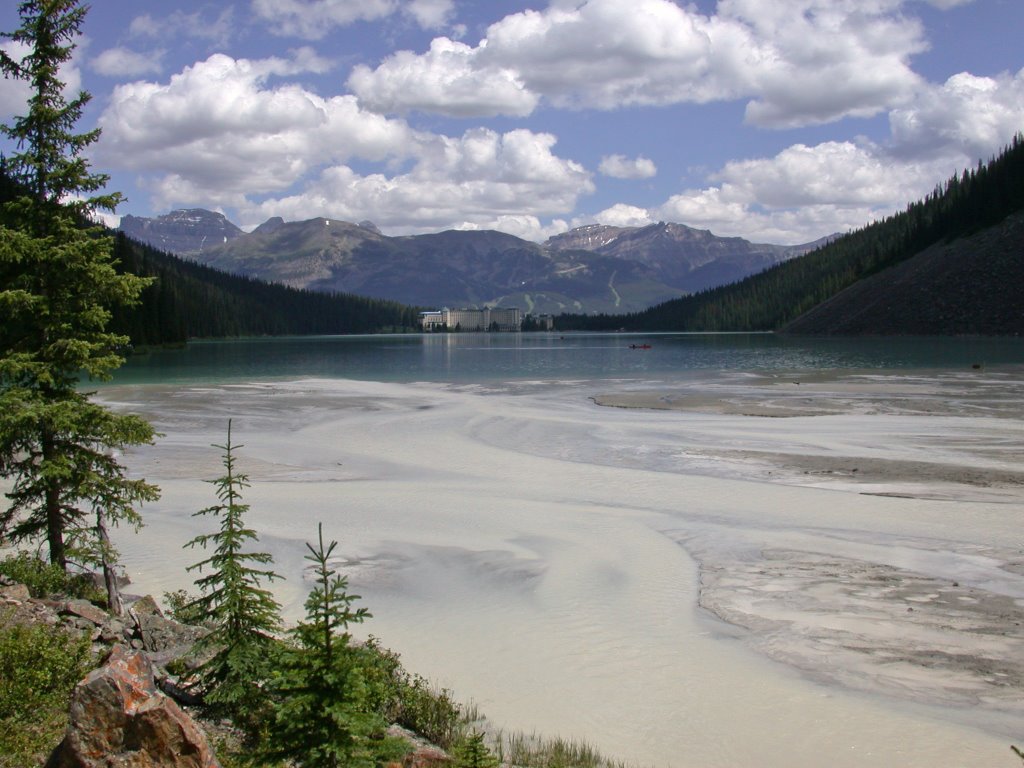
column 681, row 580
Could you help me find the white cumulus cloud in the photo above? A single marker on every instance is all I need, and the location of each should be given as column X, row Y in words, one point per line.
column 480, row 180
column 244, row 134
column 622, row 167
column 813, row 61
column 805, row 192
column 221, row 134
column 622, row 215
column 797, row 62
column 839, row 172
column 217, row 126
column 446, row 80
column 967, row 115
column 604, row 53
column 431, row 14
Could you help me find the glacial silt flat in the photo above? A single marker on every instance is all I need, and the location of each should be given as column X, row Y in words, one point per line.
column 773, row 569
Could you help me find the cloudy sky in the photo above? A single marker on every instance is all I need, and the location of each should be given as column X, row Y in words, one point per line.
column 776, row 120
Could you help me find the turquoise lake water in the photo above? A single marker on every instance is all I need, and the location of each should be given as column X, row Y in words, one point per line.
column 466, row 358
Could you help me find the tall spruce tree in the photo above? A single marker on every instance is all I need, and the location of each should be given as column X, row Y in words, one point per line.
column 321, row 715
column 58, row 283
column 243, row 614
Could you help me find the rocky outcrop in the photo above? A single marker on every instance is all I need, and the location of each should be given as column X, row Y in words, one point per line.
column 185, row 232
column 127, row 713
column 146, row 606
column 13, row 593
column 119, row 719
column 83, row 609
column 422, row 753
column 164, row 639
column 143, row 628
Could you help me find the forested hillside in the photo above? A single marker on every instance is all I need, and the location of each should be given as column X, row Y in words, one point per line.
column 966, row 204
column 189, row 300
column 971, row 286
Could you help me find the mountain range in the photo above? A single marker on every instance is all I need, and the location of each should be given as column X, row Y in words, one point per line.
column 949, row 264
column 595, row 268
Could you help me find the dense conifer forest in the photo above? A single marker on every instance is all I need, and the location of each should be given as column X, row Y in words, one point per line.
column 966, row 204
column 189, row 300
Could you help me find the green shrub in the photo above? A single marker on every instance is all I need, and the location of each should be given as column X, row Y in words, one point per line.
column 39, row 666
column 383, row 677
column 45, row 580
column 181, row 607
column 41, row 578
column 430, row 711
column 410, row 700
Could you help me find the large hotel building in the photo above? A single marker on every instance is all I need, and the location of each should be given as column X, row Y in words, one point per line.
column 496, row 319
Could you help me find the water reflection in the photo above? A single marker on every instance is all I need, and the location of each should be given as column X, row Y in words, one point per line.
column 482, row 357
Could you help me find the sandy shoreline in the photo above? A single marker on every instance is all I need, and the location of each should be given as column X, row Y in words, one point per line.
column 566, row 565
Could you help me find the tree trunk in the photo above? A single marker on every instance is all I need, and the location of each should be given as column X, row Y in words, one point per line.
column 51, row 498
column 114, row 604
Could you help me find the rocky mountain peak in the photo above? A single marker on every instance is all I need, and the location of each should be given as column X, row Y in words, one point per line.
column 590, row 237
column 186, row 231
column 272, row 224
column 597, row 267
column 674, row 231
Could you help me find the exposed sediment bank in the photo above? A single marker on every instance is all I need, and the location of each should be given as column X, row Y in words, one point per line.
column 567, row 565
column 940, row 623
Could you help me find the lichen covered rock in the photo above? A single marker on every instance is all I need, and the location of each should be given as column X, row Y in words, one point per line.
column 120, row 719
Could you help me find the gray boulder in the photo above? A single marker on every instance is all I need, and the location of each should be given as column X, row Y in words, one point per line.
column 85, row 610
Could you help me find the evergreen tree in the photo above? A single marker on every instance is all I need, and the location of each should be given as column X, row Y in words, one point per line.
column 244, row 616
column 58, row 283
column 473, row 753
column 322, row 719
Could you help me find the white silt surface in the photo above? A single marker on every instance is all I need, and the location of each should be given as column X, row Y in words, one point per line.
column 528, row 549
